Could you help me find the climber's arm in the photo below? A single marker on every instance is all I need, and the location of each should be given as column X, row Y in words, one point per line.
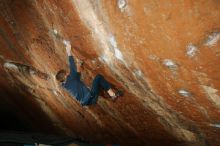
column 73, row 69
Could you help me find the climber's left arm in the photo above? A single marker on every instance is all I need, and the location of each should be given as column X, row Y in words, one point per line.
column 73, row 68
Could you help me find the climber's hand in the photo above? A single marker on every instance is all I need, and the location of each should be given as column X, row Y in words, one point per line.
column 68, row 47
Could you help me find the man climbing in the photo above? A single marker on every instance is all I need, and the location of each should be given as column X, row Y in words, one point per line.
column 72, row 83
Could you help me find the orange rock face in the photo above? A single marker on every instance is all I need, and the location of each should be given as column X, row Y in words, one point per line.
column 165, row 55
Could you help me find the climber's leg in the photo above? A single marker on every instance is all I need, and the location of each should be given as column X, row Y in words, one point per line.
column 98, row 84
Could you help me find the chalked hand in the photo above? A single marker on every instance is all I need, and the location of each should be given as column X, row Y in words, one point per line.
column 66, row 43
column 68, row 47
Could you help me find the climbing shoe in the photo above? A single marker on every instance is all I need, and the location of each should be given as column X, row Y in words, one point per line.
column 118, row 93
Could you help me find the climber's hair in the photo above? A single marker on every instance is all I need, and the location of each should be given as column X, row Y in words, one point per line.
column 61, row 75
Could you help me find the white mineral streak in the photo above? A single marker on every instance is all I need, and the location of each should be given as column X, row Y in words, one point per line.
column 191, row 50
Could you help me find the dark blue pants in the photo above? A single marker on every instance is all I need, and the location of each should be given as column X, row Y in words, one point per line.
column 98, row 84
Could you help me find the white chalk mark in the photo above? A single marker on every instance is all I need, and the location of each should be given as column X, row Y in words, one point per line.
column 170, row 63
column 113, row 42
column 122, row 4
column 55, row 92
column 105, row 58
column 138, row 73
column 212, row 94
column 11, row 66
column 55, row 31
column 215, row 125
column 93, row 61
column 32, row 72
column 191, row 50
column 184, row 92
column 212, row 39
column 153, row 57
column 117, row 52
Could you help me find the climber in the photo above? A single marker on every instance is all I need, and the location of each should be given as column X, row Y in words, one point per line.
column 72, row 83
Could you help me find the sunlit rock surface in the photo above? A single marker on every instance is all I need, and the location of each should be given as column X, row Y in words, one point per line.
column 165, row 55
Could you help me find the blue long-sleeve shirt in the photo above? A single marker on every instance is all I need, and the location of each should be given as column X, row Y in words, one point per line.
column 75, row 86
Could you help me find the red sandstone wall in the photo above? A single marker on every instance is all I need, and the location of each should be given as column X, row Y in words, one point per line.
column 164, row 54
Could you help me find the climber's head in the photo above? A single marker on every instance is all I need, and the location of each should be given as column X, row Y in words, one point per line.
column 61, row 75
